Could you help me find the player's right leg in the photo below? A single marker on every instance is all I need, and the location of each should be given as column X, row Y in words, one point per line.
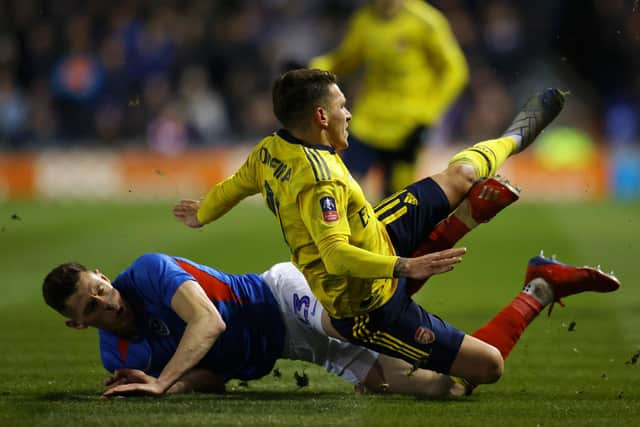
column 474, row 195
column 546, row 282
column 484, row 158
column 412, row 213
column 486, row 199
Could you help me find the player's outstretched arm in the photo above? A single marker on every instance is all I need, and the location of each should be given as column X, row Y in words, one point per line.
column 425, row 266
column 196, row 380
column 343, row 259
column 186, row 211
column 204, row 326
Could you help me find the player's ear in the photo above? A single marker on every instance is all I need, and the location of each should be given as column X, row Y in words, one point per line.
column 102, row 276
column 75, row 325
column 320, row 117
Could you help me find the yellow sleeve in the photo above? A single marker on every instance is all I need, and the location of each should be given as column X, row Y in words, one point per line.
column 342, row 259
column 226, row 194
column 323, row 209
column 347, row 57
column 452, row 69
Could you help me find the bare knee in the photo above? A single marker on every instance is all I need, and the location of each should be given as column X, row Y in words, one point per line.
column 494, row 367
column 456, row 181
column 478, row 362
column 462, row 176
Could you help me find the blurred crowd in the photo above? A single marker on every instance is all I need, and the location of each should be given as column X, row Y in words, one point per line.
column 173, row 74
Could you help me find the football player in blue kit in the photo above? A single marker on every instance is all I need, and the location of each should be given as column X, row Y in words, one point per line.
column 170, row 325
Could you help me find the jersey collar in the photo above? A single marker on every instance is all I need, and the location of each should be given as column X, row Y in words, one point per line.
column 284, row 134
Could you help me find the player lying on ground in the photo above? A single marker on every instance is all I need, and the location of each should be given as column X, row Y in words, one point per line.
column 357, row 259
column 169, row 325
column 162, row 308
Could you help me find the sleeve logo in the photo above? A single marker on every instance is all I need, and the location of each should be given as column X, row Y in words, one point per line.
column 329, row 211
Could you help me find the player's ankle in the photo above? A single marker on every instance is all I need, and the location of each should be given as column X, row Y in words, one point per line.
column 540, row 290
column 517, row 138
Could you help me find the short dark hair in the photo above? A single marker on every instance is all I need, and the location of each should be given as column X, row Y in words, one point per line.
column 60, row 284
column 297, row 92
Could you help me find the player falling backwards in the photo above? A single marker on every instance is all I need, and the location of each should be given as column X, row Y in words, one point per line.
column 358, row 260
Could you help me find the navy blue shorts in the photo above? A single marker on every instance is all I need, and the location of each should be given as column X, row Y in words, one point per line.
column 401, row 328
column 410, row 215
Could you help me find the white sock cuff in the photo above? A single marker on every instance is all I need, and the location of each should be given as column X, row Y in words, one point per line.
column 540, row 290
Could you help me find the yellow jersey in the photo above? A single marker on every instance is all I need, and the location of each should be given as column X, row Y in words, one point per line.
column 413, row 71
column 335, row 238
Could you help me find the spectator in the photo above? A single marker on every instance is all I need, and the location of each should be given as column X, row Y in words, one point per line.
column 100, row 59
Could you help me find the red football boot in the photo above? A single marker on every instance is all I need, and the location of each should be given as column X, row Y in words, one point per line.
column 487, row 197
column 565, row 279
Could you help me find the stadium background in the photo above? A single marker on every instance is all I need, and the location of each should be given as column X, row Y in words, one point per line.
column 110, row 111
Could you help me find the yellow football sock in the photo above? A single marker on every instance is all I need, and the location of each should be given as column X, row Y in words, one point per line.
column 486, row 156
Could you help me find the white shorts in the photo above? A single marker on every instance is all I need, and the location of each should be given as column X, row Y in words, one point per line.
column 305, row 338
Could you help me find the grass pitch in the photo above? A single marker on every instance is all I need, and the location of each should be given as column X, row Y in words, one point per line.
column 51, row 375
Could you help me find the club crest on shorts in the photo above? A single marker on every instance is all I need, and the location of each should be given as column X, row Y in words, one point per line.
column 329, row 211
column 424, row 335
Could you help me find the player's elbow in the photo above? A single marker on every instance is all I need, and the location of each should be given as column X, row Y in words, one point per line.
column 334, row 258
column 334, row 270
column 335, row 267
column 216, row 326
column 219, row 328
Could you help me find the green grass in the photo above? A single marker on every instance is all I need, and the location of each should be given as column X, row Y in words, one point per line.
column 51, row 375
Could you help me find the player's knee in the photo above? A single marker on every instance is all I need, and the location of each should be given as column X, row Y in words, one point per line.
column 494, row 366
column 460, row 178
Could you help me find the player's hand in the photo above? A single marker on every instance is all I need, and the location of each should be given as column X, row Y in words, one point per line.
column 149, row 387
column 425, row 266
column 127, row 376
column 186, row 211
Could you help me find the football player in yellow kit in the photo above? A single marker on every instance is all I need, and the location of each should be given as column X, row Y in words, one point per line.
column 358, row 259
column 413, row 70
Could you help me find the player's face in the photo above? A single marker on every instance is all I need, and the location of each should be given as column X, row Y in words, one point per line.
column 96, row 303
column 338, row 118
